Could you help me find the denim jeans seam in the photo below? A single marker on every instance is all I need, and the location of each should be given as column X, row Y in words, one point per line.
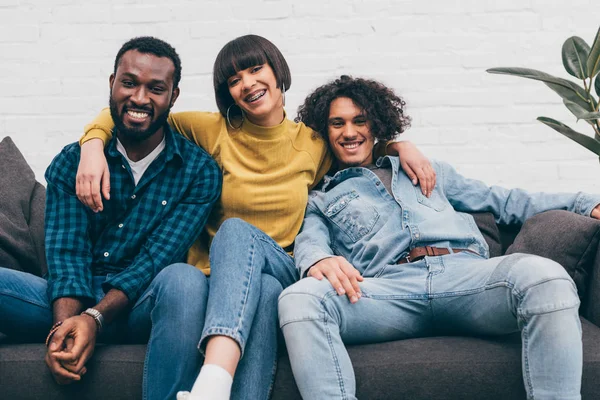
column 394, row 296
column 271, row 244
column 222, row 331
column 235, row 335
column 381, row 271
column 526, row 372
column 146, row 359
column 473, row 290
column 249, row 273
column 272, row 383
column 439, row 271
column 547, row 280
column 338, row 371
column 521, row 294
column 142, row 299
column 14, row 295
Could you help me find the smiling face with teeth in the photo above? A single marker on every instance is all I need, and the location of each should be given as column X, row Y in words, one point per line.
column 255, row 90
column 141, row 96
column 349, row 134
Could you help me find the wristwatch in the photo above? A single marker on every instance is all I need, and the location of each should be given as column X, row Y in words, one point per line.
column 98, row 318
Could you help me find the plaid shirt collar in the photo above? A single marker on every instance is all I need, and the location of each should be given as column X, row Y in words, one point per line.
column 171, row 150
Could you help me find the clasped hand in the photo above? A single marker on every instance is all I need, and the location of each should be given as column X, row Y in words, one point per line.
column 70, row 348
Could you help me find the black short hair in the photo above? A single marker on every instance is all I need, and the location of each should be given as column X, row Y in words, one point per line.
column 245, row 52
column 382, row 107
column 152, row 45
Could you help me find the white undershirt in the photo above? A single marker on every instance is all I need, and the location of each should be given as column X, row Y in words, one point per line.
column 139, row 167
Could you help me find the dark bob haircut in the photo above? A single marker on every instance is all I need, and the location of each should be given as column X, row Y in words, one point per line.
column 383, row 109
column 152, row 45
column 242, row 53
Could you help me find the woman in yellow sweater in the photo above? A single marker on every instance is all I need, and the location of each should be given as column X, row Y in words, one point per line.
column 269, row 164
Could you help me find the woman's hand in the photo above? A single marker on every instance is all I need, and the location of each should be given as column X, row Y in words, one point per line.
column 416, row 166
column 91, row 174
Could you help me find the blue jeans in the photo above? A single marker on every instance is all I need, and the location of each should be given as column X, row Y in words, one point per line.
column 461, row 294
column 248, row 272
column 168, row 315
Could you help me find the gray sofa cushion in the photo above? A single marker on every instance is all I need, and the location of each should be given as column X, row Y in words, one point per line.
column 565, row 237
column 446, row 368
column 425, row 368
column 21, row 213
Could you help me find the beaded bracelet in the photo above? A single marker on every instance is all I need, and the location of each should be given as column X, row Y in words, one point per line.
column 52, row 332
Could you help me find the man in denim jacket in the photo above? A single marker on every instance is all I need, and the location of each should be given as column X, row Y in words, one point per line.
column 399, row 264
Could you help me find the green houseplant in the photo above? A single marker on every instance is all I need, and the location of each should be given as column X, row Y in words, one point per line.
column 583, row 63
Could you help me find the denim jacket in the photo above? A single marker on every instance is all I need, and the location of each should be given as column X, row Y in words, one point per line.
column 354, row 216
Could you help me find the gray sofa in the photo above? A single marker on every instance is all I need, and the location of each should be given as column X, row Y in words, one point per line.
column 424, row 368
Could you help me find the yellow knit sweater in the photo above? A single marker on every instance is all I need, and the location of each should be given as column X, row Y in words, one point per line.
column 267, row 172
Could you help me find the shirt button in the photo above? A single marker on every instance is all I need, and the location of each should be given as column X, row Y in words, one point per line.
column 164, row 202
column 416, row 235
column 377, row 183
column 106, row 254
column 120, row 225
column 122, row 166
column 133, row 197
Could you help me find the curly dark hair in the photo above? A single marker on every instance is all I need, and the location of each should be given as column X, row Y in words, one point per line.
column 382, row 107
column 157, row 47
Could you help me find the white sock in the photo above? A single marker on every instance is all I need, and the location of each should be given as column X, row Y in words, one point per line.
column 213, row 383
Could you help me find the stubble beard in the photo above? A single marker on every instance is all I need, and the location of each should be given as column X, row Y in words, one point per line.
column 132, row 134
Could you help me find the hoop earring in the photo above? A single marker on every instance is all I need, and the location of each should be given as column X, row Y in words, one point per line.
column 283, row 94
column 229, row 120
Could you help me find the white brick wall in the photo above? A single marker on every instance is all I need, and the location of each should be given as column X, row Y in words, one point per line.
column 56, row 56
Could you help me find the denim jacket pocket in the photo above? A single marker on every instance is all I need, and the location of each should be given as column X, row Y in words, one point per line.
column 351, row 215
column 435, row 201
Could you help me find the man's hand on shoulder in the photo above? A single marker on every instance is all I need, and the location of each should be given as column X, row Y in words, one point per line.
column 596, row 212
column 70, row 348
column 341, row 274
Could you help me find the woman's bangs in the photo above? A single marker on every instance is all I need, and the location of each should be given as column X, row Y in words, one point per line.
column 237, row 57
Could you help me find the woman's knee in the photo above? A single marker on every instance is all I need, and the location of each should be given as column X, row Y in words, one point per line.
column 233, row 230
column 178, row 282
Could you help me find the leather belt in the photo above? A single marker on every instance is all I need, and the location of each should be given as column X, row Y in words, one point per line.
column 419, row 253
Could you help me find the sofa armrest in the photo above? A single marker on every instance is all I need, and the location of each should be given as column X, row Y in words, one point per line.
column 572, row 241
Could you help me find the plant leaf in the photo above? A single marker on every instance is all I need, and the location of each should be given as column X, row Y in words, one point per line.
column 570, row 95
column 593, row 61
column 597, row 85
column 564, row 88
column 582, row 113
column 589, row 143
column 575, row 53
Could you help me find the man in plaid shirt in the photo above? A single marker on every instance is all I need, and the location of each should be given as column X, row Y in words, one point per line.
column 110, row 276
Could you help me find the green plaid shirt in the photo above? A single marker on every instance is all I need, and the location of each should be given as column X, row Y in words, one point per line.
column 142, row 228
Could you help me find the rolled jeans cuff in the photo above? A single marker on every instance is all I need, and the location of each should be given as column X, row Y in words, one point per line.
column 218, row 331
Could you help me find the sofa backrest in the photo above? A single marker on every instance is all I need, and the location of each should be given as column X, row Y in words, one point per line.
column 22, row 204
